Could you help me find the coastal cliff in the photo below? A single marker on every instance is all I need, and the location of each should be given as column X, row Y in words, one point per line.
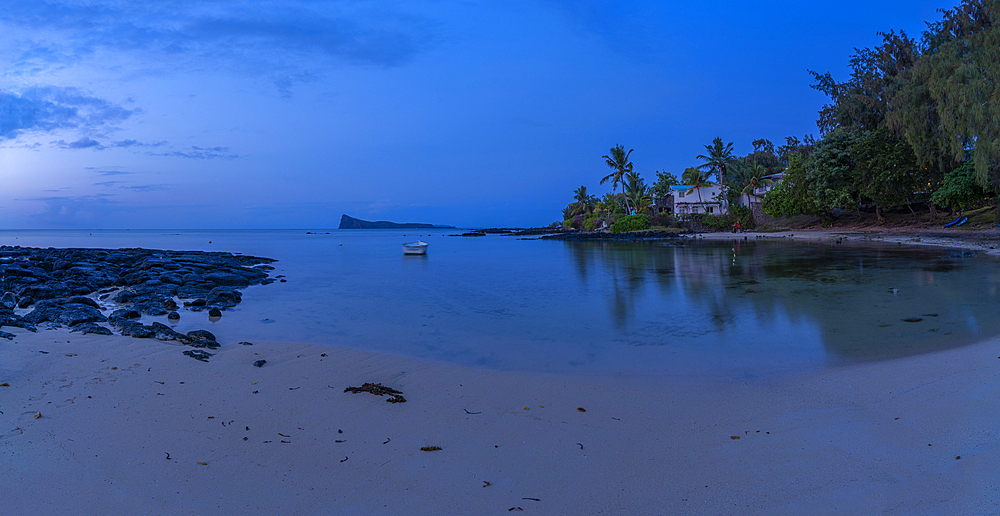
column 353, row 223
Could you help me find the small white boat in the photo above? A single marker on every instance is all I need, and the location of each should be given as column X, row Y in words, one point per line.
column 418, row 247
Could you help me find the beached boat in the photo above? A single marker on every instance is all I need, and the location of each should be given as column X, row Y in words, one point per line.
column 418, row 247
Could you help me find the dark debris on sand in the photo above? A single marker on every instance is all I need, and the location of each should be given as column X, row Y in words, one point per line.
column 379, row 390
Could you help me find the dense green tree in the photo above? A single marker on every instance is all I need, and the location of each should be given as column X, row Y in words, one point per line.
column 613, row 202
column 960, row 189
column 793, row 195
column 960, row 66
column 664, row 180
column 794, row 146
column 717, row 159
column 765, row 154
column 620, row 165
column 887, row 168
column 832, row 175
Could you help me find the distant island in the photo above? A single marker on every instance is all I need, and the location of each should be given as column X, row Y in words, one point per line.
column 353, row 223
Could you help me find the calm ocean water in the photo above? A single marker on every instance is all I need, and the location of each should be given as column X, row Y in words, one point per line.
column 735, row 309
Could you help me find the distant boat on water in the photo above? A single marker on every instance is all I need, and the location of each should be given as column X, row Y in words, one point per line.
column 418, row 247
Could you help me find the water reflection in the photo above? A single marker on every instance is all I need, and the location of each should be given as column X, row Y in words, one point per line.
column 860, row 302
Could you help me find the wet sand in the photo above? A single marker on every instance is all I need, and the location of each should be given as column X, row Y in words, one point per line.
column 981, row 241
column 129, row 426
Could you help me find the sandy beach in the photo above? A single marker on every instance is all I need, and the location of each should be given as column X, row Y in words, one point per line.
column 116, row 425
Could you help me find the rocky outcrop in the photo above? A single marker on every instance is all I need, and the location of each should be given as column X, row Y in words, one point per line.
column 60, row 285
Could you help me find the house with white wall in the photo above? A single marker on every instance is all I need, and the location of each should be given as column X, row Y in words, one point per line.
column 689, row 200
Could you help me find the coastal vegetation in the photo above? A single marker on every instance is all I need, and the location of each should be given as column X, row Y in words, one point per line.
column 913, row 130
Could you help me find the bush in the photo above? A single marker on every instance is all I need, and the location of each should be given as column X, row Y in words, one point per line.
column 630, row 223
column 718, row 222
column 567, row 223
column 743, row 215
column 661, row 220
column 591, row 222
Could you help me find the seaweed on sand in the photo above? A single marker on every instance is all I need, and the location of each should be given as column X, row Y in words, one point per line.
column 379, row 390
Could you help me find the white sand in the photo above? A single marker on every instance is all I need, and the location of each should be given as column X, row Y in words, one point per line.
column 866, row 439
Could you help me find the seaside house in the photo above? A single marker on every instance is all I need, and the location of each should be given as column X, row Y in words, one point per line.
column 689, row 200
column 757, row 197
column 662, row 205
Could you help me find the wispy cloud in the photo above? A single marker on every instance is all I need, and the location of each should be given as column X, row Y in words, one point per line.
column 147, row 188
column 50, row 108
column 284, row 39
column 195, row 152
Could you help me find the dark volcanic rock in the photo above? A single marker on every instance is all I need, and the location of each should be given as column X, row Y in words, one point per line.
column 227, row 279
column 72, row 314
column 5, row 335
column 194, row 290
column 56, row 282
column 202, row 339
column 198, row 354
column 151, row 307
column 90, row 327
column 163, row 332
column 137, row 330
column 224, row 296
column 214, row 312
column 200, row 335
column 173, row 316
column 83, row 301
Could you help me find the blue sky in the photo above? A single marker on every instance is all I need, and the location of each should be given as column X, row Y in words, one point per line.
column 288, row 113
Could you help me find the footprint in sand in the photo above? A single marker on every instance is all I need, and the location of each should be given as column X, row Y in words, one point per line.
column 38, row 398
column 29, row 416
column 12, row 434
column 66, row 403
column 66, row 386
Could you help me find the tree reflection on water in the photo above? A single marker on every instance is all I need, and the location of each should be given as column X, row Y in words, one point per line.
column 756, row 292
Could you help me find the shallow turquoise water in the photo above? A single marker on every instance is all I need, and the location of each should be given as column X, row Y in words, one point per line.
column 735, row 309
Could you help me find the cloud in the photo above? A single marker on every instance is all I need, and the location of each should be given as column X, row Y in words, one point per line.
column 199, row 153
column 135, row 143
column 146, row 188
column 289, row 36
column 49, row 108
column 112, row 172
column 624, row 26
column 73, row 211
column 82, row 143
column 109, row 183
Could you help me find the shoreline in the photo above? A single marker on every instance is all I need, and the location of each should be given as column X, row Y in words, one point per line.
column 860, row 438
column 979, row 241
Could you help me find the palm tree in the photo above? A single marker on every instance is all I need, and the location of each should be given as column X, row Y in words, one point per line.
column 696, row 178
column 618, row 161
column 750, row 176
column 637, row 191
column 584, row 200
column 718, row 158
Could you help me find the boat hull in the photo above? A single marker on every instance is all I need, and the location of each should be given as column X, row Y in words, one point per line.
column 415, row 248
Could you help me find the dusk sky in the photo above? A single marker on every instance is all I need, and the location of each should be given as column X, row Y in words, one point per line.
column 286, row 114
